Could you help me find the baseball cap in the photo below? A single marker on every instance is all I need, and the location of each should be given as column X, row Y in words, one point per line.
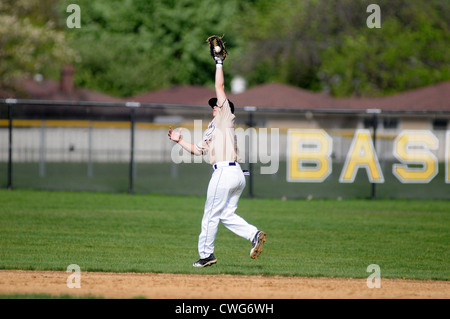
column 213, row 102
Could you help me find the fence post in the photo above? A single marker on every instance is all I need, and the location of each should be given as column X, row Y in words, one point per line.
column 10, row 103
column 42, row 151
column 132, row 106
column 374, row 140
column 250, row 124
column 90, row 170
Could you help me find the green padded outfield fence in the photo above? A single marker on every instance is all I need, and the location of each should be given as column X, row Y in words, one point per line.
column 313, row 153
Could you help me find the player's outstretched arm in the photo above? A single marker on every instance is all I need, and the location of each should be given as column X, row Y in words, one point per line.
column 220, row 85
column 176, row 137
column 219, row 54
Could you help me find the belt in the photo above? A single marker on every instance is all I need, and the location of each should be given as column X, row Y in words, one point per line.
column 223, row 164
column 226, row 164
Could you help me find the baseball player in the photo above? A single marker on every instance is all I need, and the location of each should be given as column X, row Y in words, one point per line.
column 227, row 180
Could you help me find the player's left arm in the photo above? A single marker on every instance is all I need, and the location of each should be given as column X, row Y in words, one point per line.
column 177, row 138
column 219, row 54
column 220, row 85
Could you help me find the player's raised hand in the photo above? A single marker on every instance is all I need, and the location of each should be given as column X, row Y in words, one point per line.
column 174, row 135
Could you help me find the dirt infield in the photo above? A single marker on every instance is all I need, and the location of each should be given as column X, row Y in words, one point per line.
column 179, row 286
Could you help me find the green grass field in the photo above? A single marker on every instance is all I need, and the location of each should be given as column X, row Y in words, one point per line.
column 46, row 230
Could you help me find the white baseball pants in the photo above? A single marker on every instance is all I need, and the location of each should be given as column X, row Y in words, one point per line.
column 224, row 189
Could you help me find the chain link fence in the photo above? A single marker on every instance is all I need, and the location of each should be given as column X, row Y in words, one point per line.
column 123, row 147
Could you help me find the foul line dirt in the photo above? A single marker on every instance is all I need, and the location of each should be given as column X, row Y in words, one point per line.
column 181, row 286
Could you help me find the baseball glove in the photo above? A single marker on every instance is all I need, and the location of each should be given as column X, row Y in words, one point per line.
column 217, row 48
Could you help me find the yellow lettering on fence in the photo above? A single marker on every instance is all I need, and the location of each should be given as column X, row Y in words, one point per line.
column 309, row 155
column 412, row 149
column 361, row 154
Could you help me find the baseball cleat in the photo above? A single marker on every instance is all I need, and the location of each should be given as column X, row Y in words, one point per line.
column 211, row 260
column 257, row 242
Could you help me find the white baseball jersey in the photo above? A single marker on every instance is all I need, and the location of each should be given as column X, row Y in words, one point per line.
column 226, row 185
column 219, row 140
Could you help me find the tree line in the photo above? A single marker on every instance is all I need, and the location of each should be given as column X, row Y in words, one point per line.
column 126, row 47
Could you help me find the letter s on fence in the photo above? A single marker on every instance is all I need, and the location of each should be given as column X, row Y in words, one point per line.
column 412, row 149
